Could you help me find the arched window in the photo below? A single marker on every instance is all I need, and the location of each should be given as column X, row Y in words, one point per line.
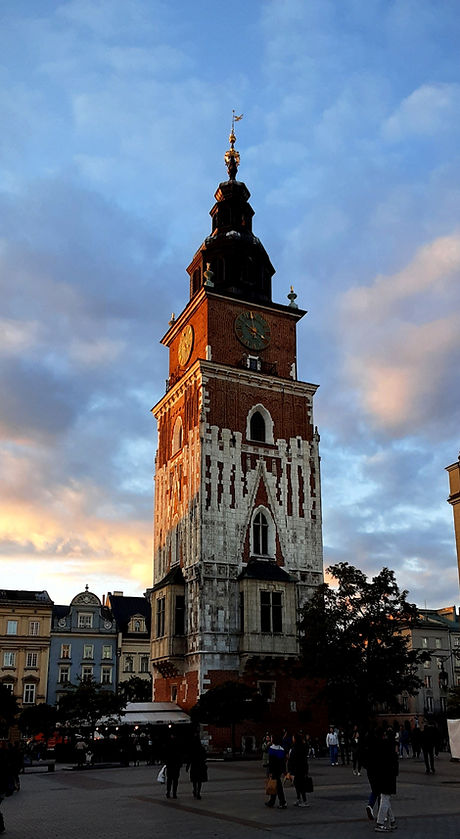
column 257, row 427
column 263, row 534
column 177, row 438
column 260, row 534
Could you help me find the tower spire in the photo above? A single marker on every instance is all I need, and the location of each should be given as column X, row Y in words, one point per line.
column 232, row 156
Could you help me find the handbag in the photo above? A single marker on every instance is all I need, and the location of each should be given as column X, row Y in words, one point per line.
column 308, row 784
column 161, row 777
column 270, row 786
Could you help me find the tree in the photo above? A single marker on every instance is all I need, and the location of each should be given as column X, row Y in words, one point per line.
column 355, row 637
column 8, row 710
column 87, row 703
column 228, row 704
column 38, row 719
column 136, row 689
column 453, row 703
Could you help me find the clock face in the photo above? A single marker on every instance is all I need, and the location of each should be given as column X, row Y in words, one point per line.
column 252, row 330
column 185, row 345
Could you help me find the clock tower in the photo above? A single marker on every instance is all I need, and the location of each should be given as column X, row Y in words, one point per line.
column 237, row 523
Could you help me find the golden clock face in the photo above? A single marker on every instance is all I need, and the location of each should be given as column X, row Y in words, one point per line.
column 185, row 345
column 252, row 330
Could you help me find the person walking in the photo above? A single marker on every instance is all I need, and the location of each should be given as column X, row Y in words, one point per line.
column 356, row 752
column 428, row 742
column 387, row 767
column 276, row 770
column 266, row 743
column 332, row 743
column 173, row 766
column 298, row 768
column 196, row 764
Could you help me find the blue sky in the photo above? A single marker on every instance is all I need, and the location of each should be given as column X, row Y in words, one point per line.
column 115, row 117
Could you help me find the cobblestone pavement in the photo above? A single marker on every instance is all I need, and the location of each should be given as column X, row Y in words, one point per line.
column 128, row 802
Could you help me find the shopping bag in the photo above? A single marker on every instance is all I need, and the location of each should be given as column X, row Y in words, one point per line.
column 270, row 786
column 161, row 777
column 308, row 784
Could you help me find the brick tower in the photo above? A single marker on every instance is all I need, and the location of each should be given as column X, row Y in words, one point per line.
column 237, row 524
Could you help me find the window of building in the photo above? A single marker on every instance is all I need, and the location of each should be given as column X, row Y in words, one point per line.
column 160, row 607
column 177, row 438
column 9, row 659
column 137, row 626
column 85, row 620
column 439, row 663
column 12, row 628
column 88, row 650
column 173, row 693
column 106, row 675
column 107, row 651
column 424, row 643
column 271, row 611
column 253, row 362
column 429, row 704
column 31, row 659
column 428, row 681
column 144, row 664
column 179, row 615
column 260, row 534
column 34, row 628
column 427, row 664
column 129, row 664
column 65, row 650
column 438, row 643
column 267, row 690
column 404, row 703
column 9, row 686
column 87, row 672
column 456, row 640
column 293, row 705
column 64, row 674
column 257, row 427
column 28, row 697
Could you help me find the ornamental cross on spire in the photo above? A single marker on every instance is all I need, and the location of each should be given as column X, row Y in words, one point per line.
column 232, row 156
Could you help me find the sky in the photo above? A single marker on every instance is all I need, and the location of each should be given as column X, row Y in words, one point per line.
column 115, row 117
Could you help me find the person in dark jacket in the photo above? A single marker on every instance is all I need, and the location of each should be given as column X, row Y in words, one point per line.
column 298, row 768
column 276, row 770
column 173, row 763
column 6, row 777
column 387, row 768
column 428, row 743
column 196, row 763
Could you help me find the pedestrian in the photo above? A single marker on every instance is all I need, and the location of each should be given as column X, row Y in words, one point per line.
column 356, row 752
column 344, row 747
column 6, row 777
column 428, row 742
column 298, row 768
column 276, row 771
column 80, row 752
column 196, row 764
column 173, row 761
column 266, row 742
column 404, row 741
column 387, row 772
column 332, row 743
column 369, row 761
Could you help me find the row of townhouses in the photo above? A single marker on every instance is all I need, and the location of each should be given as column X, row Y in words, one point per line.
column 45, row 647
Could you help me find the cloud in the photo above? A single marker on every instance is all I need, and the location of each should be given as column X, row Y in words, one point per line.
column 428, row 111
column 401, row 341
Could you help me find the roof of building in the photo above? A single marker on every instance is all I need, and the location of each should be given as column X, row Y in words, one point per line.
column 20, row 595
column 262, row 570
column 173, row 577
column 124, row 608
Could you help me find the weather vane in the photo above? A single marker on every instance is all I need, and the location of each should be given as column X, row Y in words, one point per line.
column 232, row 156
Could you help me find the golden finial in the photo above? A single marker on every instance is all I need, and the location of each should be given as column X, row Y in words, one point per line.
column 232, row 156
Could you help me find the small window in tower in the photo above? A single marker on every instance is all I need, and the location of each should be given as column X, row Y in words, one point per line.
column 178, row 433
column 257, row 427
column 179, row 615
column 253, row 362
column 260, row 534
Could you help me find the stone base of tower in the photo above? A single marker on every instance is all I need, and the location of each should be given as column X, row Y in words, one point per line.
column 293, row 703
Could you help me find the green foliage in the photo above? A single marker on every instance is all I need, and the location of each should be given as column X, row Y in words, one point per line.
column 87, row 703
column 228, row 704
column 136, row 689
column 38, row 719
column 353, row 637
column 453, row 703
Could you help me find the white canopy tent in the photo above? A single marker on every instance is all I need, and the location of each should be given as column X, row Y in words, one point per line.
column 151, row 713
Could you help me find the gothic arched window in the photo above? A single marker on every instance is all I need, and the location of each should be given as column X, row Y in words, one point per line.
column 177, row 438
column 257, row 427
column 260, row 534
